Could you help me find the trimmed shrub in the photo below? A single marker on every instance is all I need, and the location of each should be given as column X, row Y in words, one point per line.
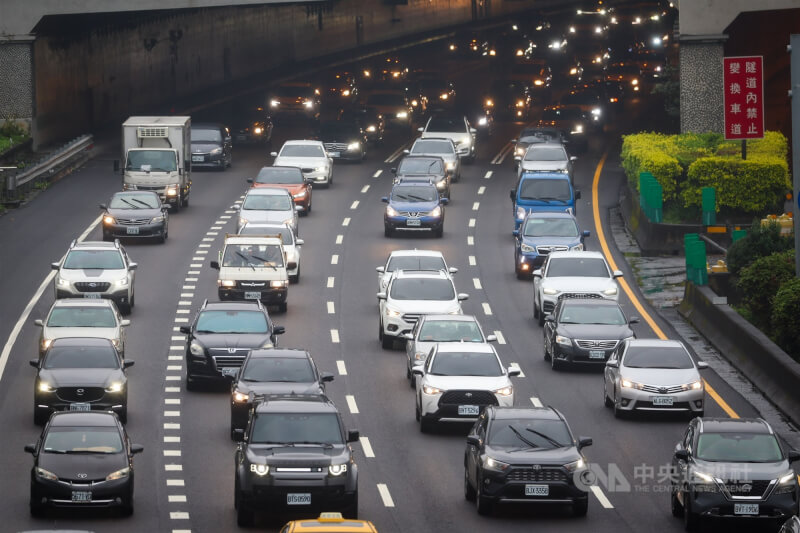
column 786, row 317
column 651, row 152
column 759, row 282
column 760, row 241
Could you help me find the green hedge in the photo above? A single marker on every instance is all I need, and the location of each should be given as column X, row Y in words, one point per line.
column 760, row 241
column 650, row 152
column 759, row 282
column 786, row 317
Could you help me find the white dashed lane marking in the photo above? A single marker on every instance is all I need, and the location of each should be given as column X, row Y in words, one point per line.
column 366, row 446
column 477, row 283
column 169, row 439
column 334, row 259
column 472, row 261
column 335, row 336
column 179, row 515
column 500, row 338
column 598, row 493
column 171, row 425
column 175, row 483
column 476, row 206
column 487, row 175
column 340, row 366
column 471, row 240
column 173, row 468
column 364, row 189
column 487, row 310
column 351, row 403
column 481, row 190
column 354, row 205
column 346, row 221
column 536, row 402
column 331, row 308
column 339, row 239
column 385, row 496
column 330, row 282
column 377, row 173
column 471, row 223
column 176, row 498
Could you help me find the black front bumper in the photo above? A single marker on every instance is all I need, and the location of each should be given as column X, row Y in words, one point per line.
column 272, row 495
column 103, row 493
column 268, row 295
column 121, row 231
column 716, row 505
column 501, row 489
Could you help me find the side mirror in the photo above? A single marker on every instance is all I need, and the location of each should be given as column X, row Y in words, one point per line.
column 406, row 151
column 55, row 266
column 473, row 131
column 394, row 170
column 453, row 270
column 583, row 442
column 577, row 194
column 34, row 363
column 127, row 363
column 549, row 318
column 136, row 448
column 573, row 158
column 116, row 165
column 326, row 377
column 417, row 371
column 291, row 265
column 408, row 336
column 381, row 295
column 462, row 296
column 793, row 456
column 30, row 448
column 513, row 371
column 185, row 329
column 274, row 154
column 463, row 151
column 380, row 270
column 38, row 322
column 473, row 440
column 230, row 373
column 682, row 454
column 618, row 273
column 420, row 130
column 102, row 206
column 515, row 233
column 214, row 265
column 238, row 435
column 299, row 208
column 125, row 322
column 491, row 338
column 587, row 233
column 249, row 180
column 133, row 266
column 444, row 201
column 299, row 242
column 385, row 199
column 633, row 320
column 702, row 365
column 512, row 193
column 612, row 363
column 278, row 330
column 537, row 273
column 352, row 435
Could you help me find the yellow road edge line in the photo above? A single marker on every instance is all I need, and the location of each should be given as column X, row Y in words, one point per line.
column 624, row 284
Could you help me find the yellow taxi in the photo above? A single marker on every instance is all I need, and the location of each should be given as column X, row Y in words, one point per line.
column 329, row 523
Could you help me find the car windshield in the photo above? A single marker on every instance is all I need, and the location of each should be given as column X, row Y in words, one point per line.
column 386, row 99
column 664, row 357
column 432, row 147
column 338, row 130
column 735, row 447
column 278, row 369
column 408, row 193
column 294, row 91
column 252, row 255
column 302, row 150
column 267, row 202
column 287, row 237
column 93, row 439
column 89, row 259
column 81, row 317
column 422, row 289
column 582, row 267
column 545, row 189
column 580, row 98
column 546, row 153
column 206, row 135
column 284, row 428
column 446, row 125
column 415, row 262
column 550, row 227
column 532, row 136
column 133, row 200
column 413, row 165
column 80, row 357
column 232, row 322
column 282, row 175
column 152, row 160
column 569, row 113
column 465, row 364
column 573, row 313
column 544, row 434
column 450, row 331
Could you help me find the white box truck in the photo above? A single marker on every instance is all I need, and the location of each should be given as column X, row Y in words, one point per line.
column 156, row 156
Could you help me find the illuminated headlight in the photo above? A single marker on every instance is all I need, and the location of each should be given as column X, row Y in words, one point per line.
column 444, row 96
column 216, row 151
column 354, row 146
column 391, row 312
column 309, row 104
column 613, row 20
column 565, row 341
column 258, row 131
column 278, row 283
column 654, row 17
column 577, row 248
column 572, row 29
column 628, row 384
column 520, row 103
column 371, row 128
column 492, row 52
column 658, row 68
column 597, row 111
column 787, row 478
column 634, row 82
column 482, row 121
column 637, row 20
column 337, row 470
column 489, row 103
column 441, row 184
column 578, row 128
column 575, row 465
column 259, row 470
column 694, row 385
column 520, row 53
column 240, row 397
column 123, row 282
column 520, row 151
column 550, row 291
column 115, row 342
column 466, row 142
column 45, row 474
column 226, row 283
column 702, row 476
column 521, row 212
column 452, row 47
column 346, row 92
column 555, row 45
column 274, row 103
column 172, row 191
column 157, row 220
column 432, row 391
column 435, row 212
column 494, row 464
column 611, row 291
column 538, row 83
column 45, row 387
column 114, row 387
column 195, row 348
column 391, row 211
column 119, row 474
column 573, row 71
column 63, row 282
column 450, row 165
column 505, row 391
column 526, row 248
column 46, row 343
column 598, row 29
column 414, row 103
column 402, row 114
column 109, row 220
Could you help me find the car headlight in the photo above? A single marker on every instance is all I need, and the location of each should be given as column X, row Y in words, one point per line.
column 505, row 391
column 787, row 483
column 450, row 165
column 195, row 348
column 46, row 343
column 240, row 397
column 216, row 151
column 634, row 82
column 119, row 474
column 320, row 169
column 521, row 212
column 466, row 141
column 45, row 387
column 577, row 129
column 702, row 476
column 268, row 345
column 172, row 191
column 309, row 104
column 301, row 194
column 414, row 103
column 565, row 341
column 527, row 248
column 577, row 248
column 482, row 121
column 420, row 356
column 575, row 465
column 337, row 470
column 63, row 282
column 226, row 283
column 391, row 211
column 402, row 114
column 274, row 103
column 115, row 387
column 597, row 111
column 441, row 184
column 494, row 464
column 538, row 83
column 549, row 291
column 45, row 474
column 694, row 385
column 435, row 212
column 489, row 102
column 572, row 29
column 392, row 312
column 109, row 220
column 611, row 291
column 257, row 130
column 278, row 283
column 259, row 470
column 628, row 384
column 371, row 129
column 520, row 103
column 122, row 282
column 431, row 391
column 157, row 220
column 289, row 221
column 520, row 151
column 354, row 146
column 444, row 96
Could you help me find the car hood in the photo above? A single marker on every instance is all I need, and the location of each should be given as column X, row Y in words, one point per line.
column 432, row 177
column 594, row 331
column 89, row 466
column 204, row 146
column 456, row 136
column 467, row 382
column 578, row 284
column 272, row 387
column 743, row 471
column 301, row 162
column 551, row 241
column 660, row 376
column 529, row 456
column 233, row 340
column 63, row 332
column 87, row 377
column 341, row 138
column 98, row 275
column 414, row 207
column 448, row 158
column 134, row 213
column 262, row 215
column 293, row 188
column 542, row 165
column 300, row 454
column 428, row 307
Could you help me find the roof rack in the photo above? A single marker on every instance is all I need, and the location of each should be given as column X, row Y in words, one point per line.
column 254, row 398
column 254, row 236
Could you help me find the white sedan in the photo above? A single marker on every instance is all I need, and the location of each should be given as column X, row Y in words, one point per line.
column 310, row 157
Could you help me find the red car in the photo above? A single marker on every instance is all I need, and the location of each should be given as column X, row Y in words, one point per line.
column 289, row 178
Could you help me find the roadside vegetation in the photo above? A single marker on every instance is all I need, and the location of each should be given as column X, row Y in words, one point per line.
column 11, row 134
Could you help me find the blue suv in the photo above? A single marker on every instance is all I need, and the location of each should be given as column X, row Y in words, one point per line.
column 541, row 233
column 414, row 206
column 543, row 191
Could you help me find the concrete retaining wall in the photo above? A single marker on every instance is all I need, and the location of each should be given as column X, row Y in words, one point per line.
column 768, row 367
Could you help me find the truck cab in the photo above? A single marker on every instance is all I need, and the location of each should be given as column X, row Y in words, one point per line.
column 254, row 267
column 542, row 192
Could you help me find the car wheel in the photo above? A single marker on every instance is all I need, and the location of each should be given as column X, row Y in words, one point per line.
column 699, row 414
column 245, row 517
column 617, row 411
column 127, row 505
column 469, row 492
column 191, row 385
column 555, row 364
column 387, row 342
column 296, row 277
column 351, row 511
column 482, row 503
column 580, row 507
column 40, row 416
column 535, row 307
column 162, row 237
column 546, row 351
column 416, row 412
column 387, row 231
column 675, row 505
column 36, row 507
column 380, row 330
column 439, row 232
column 424, row 424
column 282, row 307
column 606, row 401
column 690, row 520
column 133, row 301
column 541, row 317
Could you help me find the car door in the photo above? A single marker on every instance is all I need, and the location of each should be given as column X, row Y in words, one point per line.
column 680, row 468
column 411, row 345
column 610, row 375
column 123, row 331
column 474, row 452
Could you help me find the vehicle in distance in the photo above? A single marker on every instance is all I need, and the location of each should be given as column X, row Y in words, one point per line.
column 412, row 260
column 212, row 146
column 370, row 120
column 529, row 136
column 135, row 214
column 392, row 104
column 453, row 127
column 414, row 206
column 546, row 157
column 543, row 192
column 252, row 124
column 292, row 246
column 427, row 167
column 268, row 205
column 508, row 98
column 310, row 157
column 289, row 178
column 572, row 121
column 82, row 460
column 344, row 140
column 298, row 99
column 541, row 233
column 444, row 148
column 79, row 317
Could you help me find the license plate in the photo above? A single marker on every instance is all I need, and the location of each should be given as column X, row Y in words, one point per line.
column 298, row 499
column 252, row 295
column 745, row 508
column 230, row 372
column 197, row 159
column 241, row 137
column 537, row 490
column 80, row 407
column 334, row 154
column 413, row 222
column 132, row 231
column 663, row 400
column 81, row 496
column 597, row 354
column 468, row 410
column 91, row 295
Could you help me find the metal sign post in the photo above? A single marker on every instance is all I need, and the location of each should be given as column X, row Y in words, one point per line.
column 794, row 93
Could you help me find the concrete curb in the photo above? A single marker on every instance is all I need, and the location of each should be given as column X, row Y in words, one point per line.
column 769, row 368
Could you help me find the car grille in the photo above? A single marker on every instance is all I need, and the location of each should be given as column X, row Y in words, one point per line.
column 468, row 397
column 580, row 295
column 307, row 170
column 522, row 473
column 88, row 394
column 335, row 147
column 756, row 488
column 672, row 389
column 596, row 345
column 132, row 221
column 225, row 361
column 249, row 285
column 412, row 214
column 92, row 286
column 149, row 188
column 544, row 250
column 411, row 318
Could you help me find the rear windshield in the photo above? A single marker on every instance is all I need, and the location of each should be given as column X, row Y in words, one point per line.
column 672, row 357
column 302, row 150
column 282, row 175
column 286, row 234
column 231, row 322
column 545, row 153
column 592, row 314
column 422, row 289
column 414, row 194
column 281, row 428
column 412, row 262
column 590, row 267
column 100, row 259
column 278, row 369
column 82, row 317
column 738, row 448
column 267, row 202
column 446, row 125
column 432, row 147
column 450, row 331
column 550, row 227
column 465, row 364
column 532, row 136
column 413, row 165
column 81, row 357
column 545, row 189
column 82, row 439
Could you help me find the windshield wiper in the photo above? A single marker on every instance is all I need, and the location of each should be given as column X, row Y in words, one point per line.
column 240, row 254
column 265, row 261
column 206, row 331
column 400, row 197
column 130, row 204
column 274, row 443
column 141, row 202
column 419, row 198
column 326, row 445
column 545, row 437
column 521, row 437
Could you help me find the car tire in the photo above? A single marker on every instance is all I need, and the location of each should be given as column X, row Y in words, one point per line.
column 535, row 308
column 547, row 355
column 40, row 416
column 245, row 517
column 519, row 273
column 191, row 385
column 699, row 414
column 541, row 317
column 482, row 503
column 127, row 505
column 469, row 491
column 424, row 425
column 36, row 507
column 351, row 511
column 380, row 330
column 606, row 401
column 675, row 505
column 387, row 231
column 617, row 411
column 282, row 307
column 439, row 233
column 580, row 507
column 387, row 342
column 690, row 520
column 133, row 301
column 296, row 277
column 555, row 364
column 162, row 238
column 416, row 413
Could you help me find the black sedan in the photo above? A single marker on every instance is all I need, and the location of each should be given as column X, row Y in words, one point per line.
column 529, row 136
column 80, row 374
column 345, row 140
column 82, row 460
column 426, row 166
column 584, row 331
column 270, row 372
column 371, row 121
column 527, row 456
column 575, row 124
column 252, row 124
column 212, row 146
column 135, row 214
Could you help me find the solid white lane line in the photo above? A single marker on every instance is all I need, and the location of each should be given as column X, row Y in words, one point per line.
column 477, row 283
column 486, row 309
column 481, row 189
column 377, row 173
column 471, row 240
column 340, row 366
column 175, row 483
column 476, row 206
column 364, row 189
column 366, row 446
column 339, row 239
column 472, row 261
column 354, row 205
column 330, row 281
column 335, row 336
column 331, row 308
column 598, row 493
column 499, row 335
column 488, row 175
column 334, row 259
column 471, row 223
column 536, row 402
column 351, row 403
column 385, row 496
column 516, row 366
column 176, row 498
column 346, row 221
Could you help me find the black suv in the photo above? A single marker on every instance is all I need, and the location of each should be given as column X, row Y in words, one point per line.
column 584, row 331
column 221, row 336
column 270, row 372
column 736, row 468
column 524, row 455
column 295, row 455
column 211, row 146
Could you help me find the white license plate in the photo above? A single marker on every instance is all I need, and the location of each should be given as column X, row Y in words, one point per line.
column 298, row 499
column 663, row 400
column 597, row 354
column 252, row 295
column 745, row 508
column 81, row 496
column 469, row 410
column 413, row 222
column 82, row 406
column 132, row 231
column 537, row 490
column 197, row 159
column 91, row 295
column 334, row 154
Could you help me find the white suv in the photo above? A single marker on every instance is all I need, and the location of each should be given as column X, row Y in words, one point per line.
column 580, row 274
column 411, row 294
column 411, row 260
column 94, row 269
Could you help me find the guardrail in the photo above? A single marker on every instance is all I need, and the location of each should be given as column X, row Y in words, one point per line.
column 16, row 183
